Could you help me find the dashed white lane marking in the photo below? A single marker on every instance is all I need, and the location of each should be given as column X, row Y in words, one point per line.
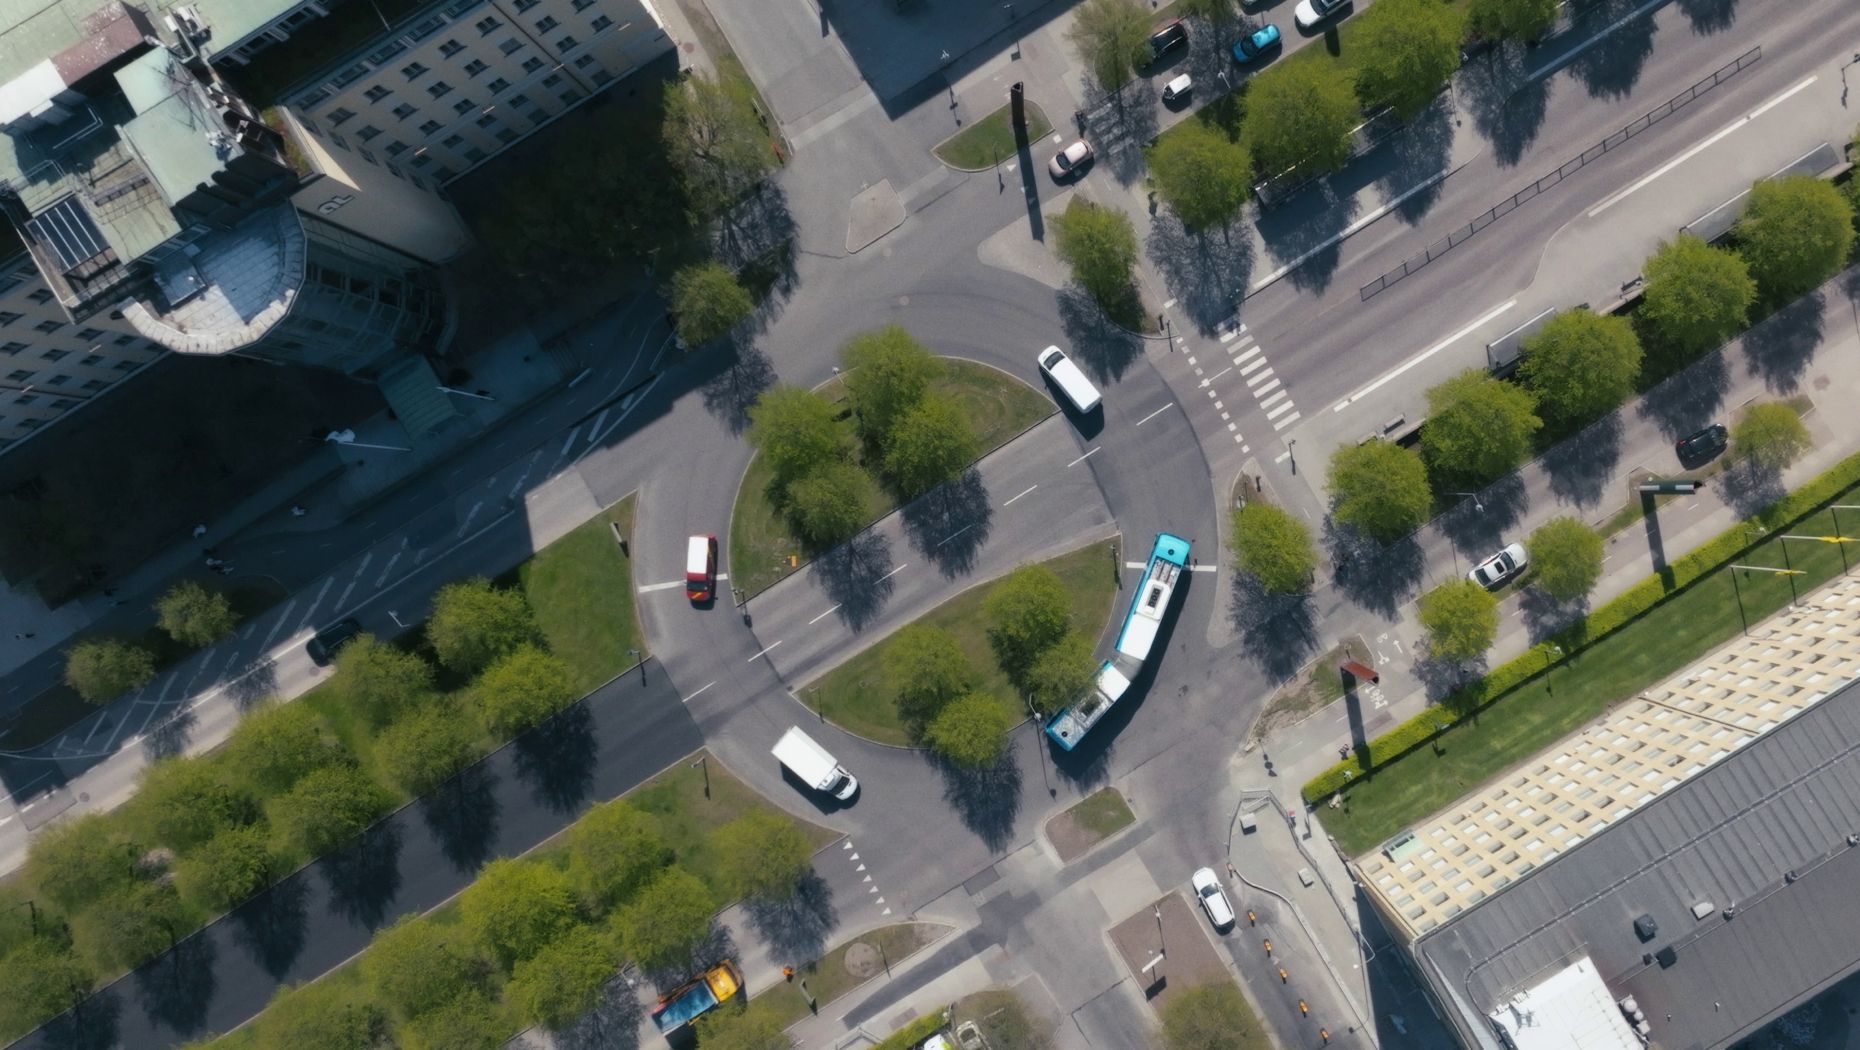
column 1084, row 457
column 1218, row 374
column 1425, row 354
column 764, row 652
column 1023, row 492
column 1154, row 414
column 694, row 696
column 648, row 588
column 824, row 615
column 889, row 575
column 952, row 535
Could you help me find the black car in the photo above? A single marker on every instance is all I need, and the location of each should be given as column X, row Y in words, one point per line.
column 1168, row 38
column 331, row 639
column 1701, row 445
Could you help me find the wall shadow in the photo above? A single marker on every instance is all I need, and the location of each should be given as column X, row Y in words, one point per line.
column 613, row 1023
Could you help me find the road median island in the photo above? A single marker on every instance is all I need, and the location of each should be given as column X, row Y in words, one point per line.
column 987, row 142
column 849, row 966
column 1097, row 817
column 1647, row 633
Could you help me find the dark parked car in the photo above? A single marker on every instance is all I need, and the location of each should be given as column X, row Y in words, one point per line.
column 1167, row 38
column 1701, row 445
column 331, row 639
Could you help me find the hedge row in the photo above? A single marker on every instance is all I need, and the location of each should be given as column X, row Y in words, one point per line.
column 1637, row 600
column 916, row 1032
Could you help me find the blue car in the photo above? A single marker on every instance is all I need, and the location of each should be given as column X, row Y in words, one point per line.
column 1256, row 43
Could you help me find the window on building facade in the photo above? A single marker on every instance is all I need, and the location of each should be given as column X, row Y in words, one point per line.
column 511, row 46
column 369, row 157
column 450, row 48
column 474, row 154
column 506, row 136
column 414, row 70
column 475, row 67
column 63, row 403
column 19, row 375
column 338, row 115
column 41, row 296
column 122, row 366
column 91, row 360
column 569, row 98
column 552, row 80
column 464, row 106
column 13, row 347
column 99, row 384
column 48, row 327
column 7, row 317
column 395, row 149
column 584, row 61
column 403, row 111
column 498, row 85
column 583, row 5
column 532, row 64
column 368, row 133
column 376, row 93
column 487, row 120
column 519, row 101
column 26, row 399
column 487, row 25
column 601, row 23
column 546, row 23
column 31, row 424
column 58, row 380
column 54, row 354
column 453, row 141
column 445, row 174
column 430, row 127
column 90, row 335
column 421, row 160
column 525, row 5
column 125, row 340
column 565, row 45
column 438, row 89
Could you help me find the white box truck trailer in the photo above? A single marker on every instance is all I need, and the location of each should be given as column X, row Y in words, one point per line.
column 814, row 764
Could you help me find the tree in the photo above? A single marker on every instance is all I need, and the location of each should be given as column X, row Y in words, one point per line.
column 381, row 681
column 1580, row 365
column 1697, row 296
column 887, row 372
column 1100, row 246
column 103, row 669
column 564, row 980
column 1300, row 113
column 1380, row 489
column 1566, row 558
column 763, row 855
column 1113, row 38
column 828, row 504
column 1274, row 548
column 277, row 743
column 183, row 802
column 971, row 731
column 708, row 302
column 1795, row 233
column 131, row 925
column 1027, row 611
column 42, row 980
column 426, row 748
column 76, row 861
column 1770, row 435
column 756, row 1027
column 226, row 869
column 1478, row 428
column 327, row 808
column 193, row 615
column 1201, row 174
column 1061, row 673
column 794, row 430
column 1460, row 618
column 1209, row 1017
column 1221, row 15
column 716, row 140
column 1512, row 19
column 930, row 444
column 474, row 623
column 1406, row 50
column 521, row 690
column 517, row 906
column 413, row 966
column 927, row 669
column 613, row 850
column 470, row 1022
column 321, row 1015
column 662, row 926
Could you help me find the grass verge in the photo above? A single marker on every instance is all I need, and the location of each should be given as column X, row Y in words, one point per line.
column 1097, row 817
column 763, row 548
column 990, row 140
column 857, row 695
column 581, row 588
column 844, row 969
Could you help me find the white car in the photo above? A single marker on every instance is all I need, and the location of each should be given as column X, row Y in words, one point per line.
column 1500, row 567
column 1213, row 899
column 1068, row 161
column 1311, row 13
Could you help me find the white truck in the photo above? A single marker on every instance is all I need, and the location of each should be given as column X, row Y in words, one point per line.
column 814, row 764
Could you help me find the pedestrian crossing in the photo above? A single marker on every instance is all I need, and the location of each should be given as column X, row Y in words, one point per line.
column 1242, row 364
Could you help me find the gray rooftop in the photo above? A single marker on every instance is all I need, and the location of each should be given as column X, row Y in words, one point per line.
column 1764, row 832
column 34, row 30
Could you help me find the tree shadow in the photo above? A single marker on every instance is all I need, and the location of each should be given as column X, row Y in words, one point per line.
column 272, row 925
column 986, row 800
column 557, row 759
column 613, row 1023
column 753, row 232
column 170, row 735
column 730, row 393
column 1579, row 468
column 1301, row 233
column 257, row 682
column 1441, row 678
column 1119, row 125
column 1612, row 65
column 1689, row 399
column 796, row 928
column 1206, row 272
column 1379, row 578
column 1479, row 526
column 716, row 944
column 1420, row 151
column 364, row 878
column 950, row 524
column 90, row 1025
column 1544, row 616
column 462, row 815
column 855, row 575
column 1779, row 349
column 1507, row 109
column 1277, row 631
column 1749, row 488
column 177, row 989
column 1100, row 347
column 1709, row 16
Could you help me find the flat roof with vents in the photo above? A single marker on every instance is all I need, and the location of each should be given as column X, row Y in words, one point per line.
column 67, row 229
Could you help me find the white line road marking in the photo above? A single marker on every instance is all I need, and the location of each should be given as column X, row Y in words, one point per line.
column 650, row 587
column 1287, row 421
column 328, row 582
column 1258, row 379
column 1267, row 389
column 1349, row 231
column 887, row 576
column 385, row 569
column 569, row 442
column 1231, row 427
column 694, row 696
column 1154, row 414
column 1133, row 565
column 1253, row 366
column 823, row 615
column 1250, row 354
column 1283, row 456
column 1084, row 457
column 764, row 652
column 1780, row 99
column 344, row 598
column 1230, row 337
column 278, row 625
column 595, row 427
column 1281, row 410
column 1425, row 354
column 469, row 515
column 1203, row 568
column 1168, row 304
column 1217, row 375
column 1225, row 417
column 949, row 537
column 1274, row 398
column 1028, row 489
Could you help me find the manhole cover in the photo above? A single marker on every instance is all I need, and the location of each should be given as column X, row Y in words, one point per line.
column 862, row 960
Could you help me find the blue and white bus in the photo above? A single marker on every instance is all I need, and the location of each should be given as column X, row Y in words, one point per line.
column 1168, row 560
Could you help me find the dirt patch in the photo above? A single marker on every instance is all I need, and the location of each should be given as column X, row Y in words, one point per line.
column 1099, row 816
column 1173, row 929
column 1320, row 683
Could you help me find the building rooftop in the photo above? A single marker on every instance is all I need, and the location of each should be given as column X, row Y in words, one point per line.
column 1570, row 1010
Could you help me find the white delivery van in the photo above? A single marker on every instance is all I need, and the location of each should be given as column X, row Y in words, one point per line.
column 814, row 764
column 1070, row 380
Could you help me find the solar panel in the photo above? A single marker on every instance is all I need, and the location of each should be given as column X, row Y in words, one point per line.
column 68, row 228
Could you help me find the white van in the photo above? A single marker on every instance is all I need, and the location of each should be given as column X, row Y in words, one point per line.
column 1071, row 382
column 813, row 764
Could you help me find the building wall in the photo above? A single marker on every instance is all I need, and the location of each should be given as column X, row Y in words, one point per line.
column 368, row 199
column 49, row 366
column 453, row 86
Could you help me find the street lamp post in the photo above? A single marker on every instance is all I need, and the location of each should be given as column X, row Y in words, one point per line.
column 347, row 437
column 465, row 393
column 703, row 763
column 1790, row 573
column 1039, row 748
column 1478, row 506
column 633, row 654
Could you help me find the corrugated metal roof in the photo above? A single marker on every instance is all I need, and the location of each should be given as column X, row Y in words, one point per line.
column 1732, row 837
